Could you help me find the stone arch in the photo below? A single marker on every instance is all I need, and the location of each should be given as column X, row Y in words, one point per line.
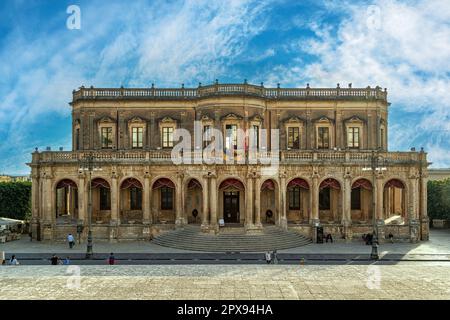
column 298, row 196
column 163, row 199
column 361, row 200
column 395, row 201
column 101, row 200
column 270, row 202
column 231, row 200
column 66, row 198
column 131, row 200
column 193, row 197
column 330, row 200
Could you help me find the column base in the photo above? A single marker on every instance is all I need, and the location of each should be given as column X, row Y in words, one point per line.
column 179, row 223
column 146, row 230
column 347, row 231
column 283, row 223
column 414, row 231
column 314, row 224
column 253, row 229
column 113, row 231
column 425, row 229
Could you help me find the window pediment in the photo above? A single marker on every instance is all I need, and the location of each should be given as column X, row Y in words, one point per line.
column 106, row 120
column 293, row 120
column 232, row 116
column 76, row 122
column 136, row 120
column 354, row 119
column 206, row 118
column 323, row 119
column 257, row 118
column 168, row 120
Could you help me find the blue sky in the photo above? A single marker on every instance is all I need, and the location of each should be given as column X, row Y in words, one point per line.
column 401, row 45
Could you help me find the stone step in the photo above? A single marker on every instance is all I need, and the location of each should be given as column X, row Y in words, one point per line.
column 191, row 238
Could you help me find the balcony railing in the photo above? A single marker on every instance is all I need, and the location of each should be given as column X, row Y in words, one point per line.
column 231, row 89
column 284, row 157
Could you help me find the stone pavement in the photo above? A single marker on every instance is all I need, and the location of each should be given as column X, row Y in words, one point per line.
column 225, row 282
column 439, row 244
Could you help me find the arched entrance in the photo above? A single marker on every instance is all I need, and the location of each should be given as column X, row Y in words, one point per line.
column 297, row 201
column 193, row 205
column 163, row 200
column 67, row 201
column 131, row 201
column 394, row 201
column 232, row 196
column 269, row 201
column 101, row 200
column 361, row 201
column 329, row 200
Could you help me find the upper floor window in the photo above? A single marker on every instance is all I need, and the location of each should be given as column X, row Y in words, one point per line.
column 137, row 134
column 106, row 137
column 356, row 199
column 231, row 136
column 353, row 137
column 206, row 135
column 105, row 199
column 293, row 138
column 256, row 136
column 77, row 138
column 324, row 199
column 167, row 137
column 323, row 138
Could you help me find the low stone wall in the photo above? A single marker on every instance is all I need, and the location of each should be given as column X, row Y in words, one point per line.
column 441, row 223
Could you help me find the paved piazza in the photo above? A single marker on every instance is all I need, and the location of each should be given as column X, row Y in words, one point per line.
column 195, row 282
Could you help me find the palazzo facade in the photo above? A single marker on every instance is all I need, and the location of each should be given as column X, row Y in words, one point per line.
column 333, row 166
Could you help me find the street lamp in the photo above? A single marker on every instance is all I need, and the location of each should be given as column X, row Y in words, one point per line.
column 87, row 164
column 375, row 167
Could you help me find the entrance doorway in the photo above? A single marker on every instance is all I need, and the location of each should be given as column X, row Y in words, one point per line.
column 231, row 206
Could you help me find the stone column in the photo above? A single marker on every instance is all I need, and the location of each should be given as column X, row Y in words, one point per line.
column 249, row 203
column 49, row 213
column 115, row 198
column 213, row 204
column 205, row 194
column 35, row 213
column 283, row 218
column 314, row 206
column 424, row 220
column 258, row 224
column 147, row 218
column 346, row 208
column 378, row 193
column 82, row 206
column 179, row 201
column 413, row 198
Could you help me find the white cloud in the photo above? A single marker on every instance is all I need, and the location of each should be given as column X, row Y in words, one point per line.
column 402, row 46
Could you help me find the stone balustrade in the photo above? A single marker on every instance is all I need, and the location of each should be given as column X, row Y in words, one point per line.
column 285, row 157
column 231, row 89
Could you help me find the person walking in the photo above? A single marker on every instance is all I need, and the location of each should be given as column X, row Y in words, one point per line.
column 2, row 257
column 111, row 259
column 13, row 261
column 71, row 240
column 391, row 237
column 66, row 261
column 268, row 257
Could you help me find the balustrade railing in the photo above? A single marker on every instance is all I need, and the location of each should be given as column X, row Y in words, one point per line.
column 230, row 89
column 285, row 156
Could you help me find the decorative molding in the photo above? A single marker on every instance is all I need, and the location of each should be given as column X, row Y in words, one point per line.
column 232, row 116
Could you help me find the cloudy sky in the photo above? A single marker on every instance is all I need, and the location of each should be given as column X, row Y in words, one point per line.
column 401, row 45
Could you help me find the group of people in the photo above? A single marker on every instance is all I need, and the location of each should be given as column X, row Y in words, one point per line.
column 271, row 257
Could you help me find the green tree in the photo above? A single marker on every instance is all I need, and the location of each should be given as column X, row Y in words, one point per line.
column 439, row 199
column 15, row 200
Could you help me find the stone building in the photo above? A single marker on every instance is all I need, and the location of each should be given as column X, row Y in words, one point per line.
column 333, row 168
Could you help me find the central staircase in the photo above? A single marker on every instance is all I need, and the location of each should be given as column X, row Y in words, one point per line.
column 192, row 238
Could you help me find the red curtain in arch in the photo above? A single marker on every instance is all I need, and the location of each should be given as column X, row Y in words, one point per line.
column 233, row 183
column 394, row 183
column 268, row 185
column 131, row 183
column 331, row 183
column 362, row 183
column 66, row 183
column 297, row 182
column 100, row 183
column 163, row 182
column 194, row 184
